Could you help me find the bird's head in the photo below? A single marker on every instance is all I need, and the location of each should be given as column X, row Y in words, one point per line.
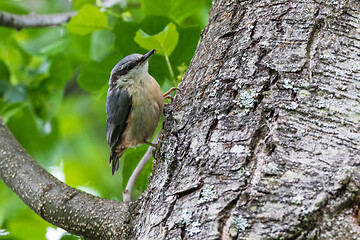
column 130, row 68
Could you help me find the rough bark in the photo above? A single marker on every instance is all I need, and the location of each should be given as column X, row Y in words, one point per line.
column 262, row 143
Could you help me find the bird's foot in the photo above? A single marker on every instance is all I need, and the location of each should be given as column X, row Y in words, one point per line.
column 151, row 144
column 171, row 100
column 167, row 95
column 170, row 91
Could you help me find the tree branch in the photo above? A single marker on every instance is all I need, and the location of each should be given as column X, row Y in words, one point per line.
column 34, row 20
column 75, row 211
column 44, row 20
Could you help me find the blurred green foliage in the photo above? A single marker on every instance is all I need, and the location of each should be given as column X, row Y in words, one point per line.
column 53, row 84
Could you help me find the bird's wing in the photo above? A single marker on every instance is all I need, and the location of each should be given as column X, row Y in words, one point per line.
column 118, row 107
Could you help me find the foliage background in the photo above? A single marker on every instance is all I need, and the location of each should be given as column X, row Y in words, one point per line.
column 53, row 84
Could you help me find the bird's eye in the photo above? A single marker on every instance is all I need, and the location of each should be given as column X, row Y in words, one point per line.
column 132, row 65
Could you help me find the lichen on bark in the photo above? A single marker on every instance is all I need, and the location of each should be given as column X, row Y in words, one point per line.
column 269, row 118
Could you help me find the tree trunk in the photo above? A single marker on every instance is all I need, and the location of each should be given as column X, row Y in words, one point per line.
column 262, row 142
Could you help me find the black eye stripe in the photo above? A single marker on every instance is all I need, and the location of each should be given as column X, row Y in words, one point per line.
column 127, row 68
column 126, row 65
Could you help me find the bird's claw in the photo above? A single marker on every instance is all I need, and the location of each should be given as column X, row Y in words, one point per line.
column 167, row 95
column 170, row 91
column 151, row 144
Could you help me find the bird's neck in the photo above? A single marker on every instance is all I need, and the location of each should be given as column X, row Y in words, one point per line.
column 133, row 83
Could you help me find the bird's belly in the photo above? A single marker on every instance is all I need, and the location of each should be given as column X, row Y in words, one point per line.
column 144, row 120
column 147, row 106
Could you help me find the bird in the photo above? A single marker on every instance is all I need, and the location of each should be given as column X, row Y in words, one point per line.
column 134, row 104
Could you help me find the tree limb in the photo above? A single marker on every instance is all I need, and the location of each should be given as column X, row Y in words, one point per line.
column 44, row 20
column 33, row 20
column 73, row 210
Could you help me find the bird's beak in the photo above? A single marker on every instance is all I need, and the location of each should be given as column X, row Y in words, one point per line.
column 147, row 56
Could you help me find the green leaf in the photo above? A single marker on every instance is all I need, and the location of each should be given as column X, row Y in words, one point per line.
column 156, row 7
column 12, row 57
column 164, row 42
column 67, row 236
column 12, row 93
column 9, row 110
column 177, row 10
column 46, row 103
column 29, row 70
column 12, row 7
column 79, row 3
column 184, row 51
column 88, row 19
column 11, row 205
column 36, row 71
column 181, row 9
column 4, row 72
column 79, row 49
column 124, row 43
column 61, row 71
column 43, row 41
column 154, row 24
column 41, row 146
column 102, row 44
column 28, row 225
column 95, row 75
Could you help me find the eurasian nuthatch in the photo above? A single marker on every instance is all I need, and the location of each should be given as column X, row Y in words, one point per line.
column 134, row 104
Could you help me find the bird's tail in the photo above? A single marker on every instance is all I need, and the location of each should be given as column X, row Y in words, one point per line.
column 115, row 155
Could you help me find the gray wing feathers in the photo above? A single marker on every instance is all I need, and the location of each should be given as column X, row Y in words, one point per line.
column 118, row 106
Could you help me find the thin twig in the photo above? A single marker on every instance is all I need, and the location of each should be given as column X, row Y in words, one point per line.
column 34, row 20
column 137, row 171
